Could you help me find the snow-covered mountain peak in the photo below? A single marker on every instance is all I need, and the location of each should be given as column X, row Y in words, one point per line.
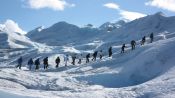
column 40, row 28
column 160, row 14
column 11, row 39
column 119, row 22
column 14, row 40
column 63, row 33
column 110, row 26
column 88, row 26
column 62, row 25
column 143, row 27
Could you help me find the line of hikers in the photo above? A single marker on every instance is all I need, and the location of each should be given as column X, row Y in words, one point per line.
column 79, row 57
column 133, row 42
column 37, row 63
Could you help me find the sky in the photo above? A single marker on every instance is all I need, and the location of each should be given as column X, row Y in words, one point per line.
column 29, row 14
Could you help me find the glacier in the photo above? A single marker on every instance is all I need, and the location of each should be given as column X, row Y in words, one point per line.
column 146, row 72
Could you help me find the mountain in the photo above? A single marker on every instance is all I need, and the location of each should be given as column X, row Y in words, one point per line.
column 12, row 36
column 4, row 41
column 108, row 26
column 13, row 39
column 38, row 29
column 157, row 23
column 63, row 33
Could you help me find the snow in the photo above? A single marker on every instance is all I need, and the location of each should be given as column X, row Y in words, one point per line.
column 14, row 39
column 146, row 72
column 7, row 95
column 111, row 26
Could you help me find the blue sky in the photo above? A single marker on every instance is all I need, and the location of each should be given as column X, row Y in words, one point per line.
column 30, row 14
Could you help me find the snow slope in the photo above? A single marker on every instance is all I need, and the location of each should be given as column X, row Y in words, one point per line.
column 14, row 40
column 11, row 39
column 8, row 95
column 156, row 23
column 146, row 72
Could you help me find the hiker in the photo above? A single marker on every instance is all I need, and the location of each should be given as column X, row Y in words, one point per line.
column 133, row 44
column 73, row 59
column 66, row 59
column 101, row 54
column 94, row 56
column 110, row 51
column 57, row 61
column 80, row 58
column 151, row 37
column 87, row 57
column 143, row 40
column 19, row 62
column 45, row 62
column 123, row 48
column 37, row 63
column 30, row 63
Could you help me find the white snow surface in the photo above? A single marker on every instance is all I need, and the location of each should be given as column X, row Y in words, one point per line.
column 146, row 72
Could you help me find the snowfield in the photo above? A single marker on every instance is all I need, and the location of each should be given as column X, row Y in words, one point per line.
column 146, row 72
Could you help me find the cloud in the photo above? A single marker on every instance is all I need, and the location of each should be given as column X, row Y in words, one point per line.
column 163, row 4
column 57, row 5
column 10, row 27
column 128, row 15
column 112, row 5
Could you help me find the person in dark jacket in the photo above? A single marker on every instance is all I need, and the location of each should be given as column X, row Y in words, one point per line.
column 123, row 48
column 133, row 44
column 143, row 40
column 45, row 62
column 20, row 60
column 87, row 57
column 57, row 61
column 30, row 63
column 151, row 37
column 73, row 59
column 37, row 63
column 94, row 56
column 110, row 51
